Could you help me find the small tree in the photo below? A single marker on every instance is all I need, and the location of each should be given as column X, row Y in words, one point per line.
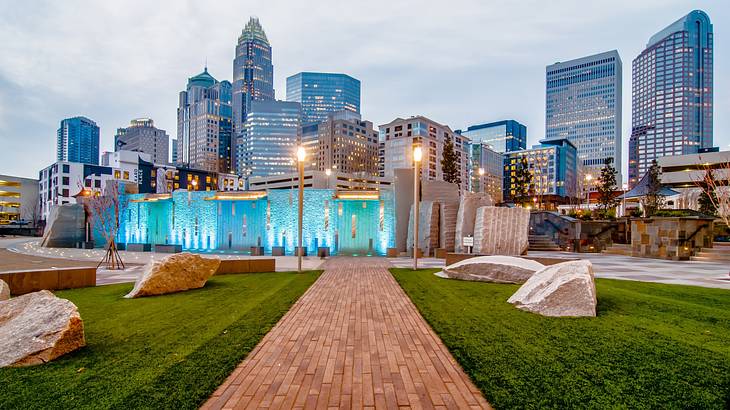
column 715, row 191
column 653, row 200
column 523, row 181
column 105, row 211
column 450, row 164
column 606, row 188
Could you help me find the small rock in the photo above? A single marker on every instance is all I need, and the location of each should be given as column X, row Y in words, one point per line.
column 4, row 290
column 495, row 269
column 175, row 273
column 563, row 289
column 38, row 327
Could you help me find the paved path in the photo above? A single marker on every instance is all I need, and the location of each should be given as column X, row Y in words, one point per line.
column 354, row 340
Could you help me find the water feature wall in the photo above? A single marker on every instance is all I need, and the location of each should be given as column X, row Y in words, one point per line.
column 203, row 221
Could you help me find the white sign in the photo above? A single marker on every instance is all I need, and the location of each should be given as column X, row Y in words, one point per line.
column 467, row 241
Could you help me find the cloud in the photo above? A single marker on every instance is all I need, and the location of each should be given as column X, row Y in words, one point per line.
column 459, row 62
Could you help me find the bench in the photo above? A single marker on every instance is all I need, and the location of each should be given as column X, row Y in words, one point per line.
column 139, row 247
column 164, row 248
column 250, row 265
column 33, row 280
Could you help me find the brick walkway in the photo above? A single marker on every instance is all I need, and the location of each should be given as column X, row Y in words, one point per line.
column 354, row 340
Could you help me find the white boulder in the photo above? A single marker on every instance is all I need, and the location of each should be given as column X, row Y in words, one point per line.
column 4, row 291
column 38, row 327
column 563, row 289
column 175, row 273
column 496, row 269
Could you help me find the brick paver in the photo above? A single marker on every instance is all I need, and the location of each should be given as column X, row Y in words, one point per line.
column 353, row 340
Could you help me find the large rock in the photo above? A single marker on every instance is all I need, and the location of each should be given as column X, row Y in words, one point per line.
column 466, row 216
column 4, row 291
column 495, row 269
column 563, row 289
column 174, row 273
column 447, row 225
column 501, row 231
column 38, row 327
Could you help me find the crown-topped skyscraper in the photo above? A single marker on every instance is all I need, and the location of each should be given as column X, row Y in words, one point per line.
column 253, row 73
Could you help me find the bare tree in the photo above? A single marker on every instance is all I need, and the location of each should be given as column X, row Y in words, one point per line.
column 715, row 186
column 105, row 210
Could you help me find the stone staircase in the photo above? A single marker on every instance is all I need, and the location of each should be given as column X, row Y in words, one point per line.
column 720, row 252
column 618, row 249
column 542, row 243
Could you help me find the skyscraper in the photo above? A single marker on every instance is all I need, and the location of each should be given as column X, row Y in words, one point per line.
column 342, row 143
column 78, row 141
column 143, row 136
column 672, row 94
column 583, row 105
column 501, row 136
column 253, row 72
column 204, row 124
column 323, row 93
column 269, row 141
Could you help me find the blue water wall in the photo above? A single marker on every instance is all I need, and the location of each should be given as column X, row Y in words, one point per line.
column 199, row 222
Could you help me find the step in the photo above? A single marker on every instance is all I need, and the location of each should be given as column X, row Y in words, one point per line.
column 713, row 256
column 721, row 250
column 708, row 259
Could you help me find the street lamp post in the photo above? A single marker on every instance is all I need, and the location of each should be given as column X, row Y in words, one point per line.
column 328, row 172
column 417, row 154
column 301, row 154
column 589, row 177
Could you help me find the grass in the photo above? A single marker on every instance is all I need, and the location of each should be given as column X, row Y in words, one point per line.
column 651, row 345
column 167, row 351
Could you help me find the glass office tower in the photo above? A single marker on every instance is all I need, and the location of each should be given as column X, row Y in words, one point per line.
column 269, row 140
column 77, row 140
column 672, row 94
column 583, row 105
column 204, row 124
column 253, row 73
column 323, row 93
column 501, row 136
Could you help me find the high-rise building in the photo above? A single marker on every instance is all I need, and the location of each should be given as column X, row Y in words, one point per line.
column 204, row 124
column 78, row 141
column 672, row 94
column 253, row 72
column 554, row 169
column 502, row 136
column 486, row 170
column 400, row 136
column 270, row 137
column 342, row 143
column 143, row 136
column 173, row 151
column 583, row 105
column 323, row 93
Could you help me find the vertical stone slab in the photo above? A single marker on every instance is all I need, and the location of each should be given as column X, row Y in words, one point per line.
column 501, row 231
column 428, row 226
column 447, row 225
column 466, row 216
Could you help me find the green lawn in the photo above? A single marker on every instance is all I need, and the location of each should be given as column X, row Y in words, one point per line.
column 651, row 346
column 168, row 351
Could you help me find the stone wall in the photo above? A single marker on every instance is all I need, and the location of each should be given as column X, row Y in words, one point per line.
column 501, row 231
column 672, row 238
column 466, row 216
column 64, row 226
column 447, row 224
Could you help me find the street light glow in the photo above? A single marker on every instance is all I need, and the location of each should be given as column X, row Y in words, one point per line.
column 301, row 154
column 481, row 171
column 417, row 154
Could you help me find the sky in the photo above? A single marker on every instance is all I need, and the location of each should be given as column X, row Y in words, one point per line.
column 459, row 62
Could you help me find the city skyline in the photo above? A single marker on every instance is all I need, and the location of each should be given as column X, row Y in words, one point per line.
column 44, row 80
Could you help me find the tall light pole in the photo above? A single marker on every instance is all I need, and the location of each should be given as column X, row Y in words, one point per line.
column 301, row 154
column 589, row 177
column 328, row 172
column 417, row 154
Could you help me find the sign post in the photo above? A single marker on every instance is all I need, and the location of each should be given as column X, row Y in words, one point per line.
column 468, row 242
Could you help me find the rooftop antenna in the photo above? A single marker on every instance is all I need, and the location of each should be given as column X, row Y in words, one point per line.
column 206, row 64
